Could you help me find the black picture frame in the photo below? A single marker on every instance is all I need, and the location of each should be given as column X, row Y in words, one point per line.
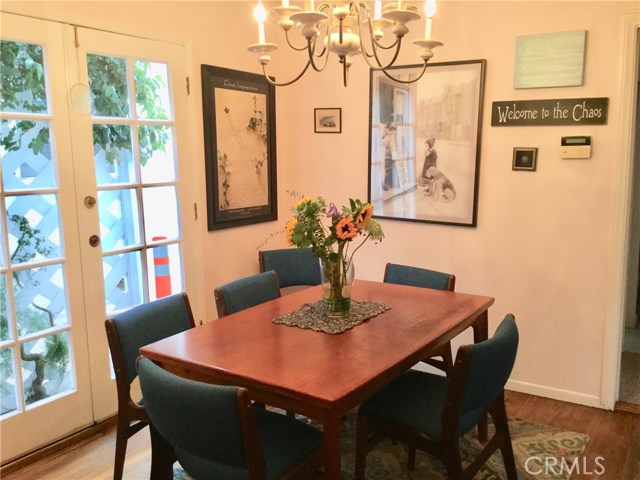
column 327, row 120
column 425, row 142
column 240, row 147
column 525, row 158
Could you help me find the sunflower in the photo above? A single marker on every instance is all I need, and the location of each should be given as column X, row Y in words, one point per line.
column 345, row 229
column 289, row 229
column 364, row 217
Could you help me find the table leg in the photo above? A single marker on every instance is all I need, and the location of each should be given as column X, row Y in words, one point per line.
column 162, row 457
column 480, row 334
column 331, row 427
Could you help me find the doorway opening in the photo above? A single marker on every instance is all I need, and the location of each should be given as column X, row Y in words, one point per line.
column 629, row 387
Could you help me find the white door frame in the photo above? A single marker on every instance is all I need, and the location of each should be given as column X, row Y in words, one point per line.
column 621, row 209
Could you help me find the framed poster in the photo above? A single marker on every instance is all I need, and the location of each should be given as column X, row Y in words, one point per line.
column 424, row 142
column 240, row 147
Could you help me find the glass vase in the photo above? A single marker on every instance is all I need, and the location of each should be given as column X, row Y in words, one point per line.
column 337, row 279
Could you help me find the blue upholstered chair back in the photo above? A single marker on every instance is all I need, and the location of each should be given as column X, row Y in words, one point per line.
column 418, row 277
column 198, row 419
column 247, row 292
column 294, row 266
column 489, row 365
column 148, row 323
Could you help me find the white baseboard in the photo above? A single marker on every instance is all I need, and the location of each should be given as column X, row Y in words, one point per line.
column 555, row 393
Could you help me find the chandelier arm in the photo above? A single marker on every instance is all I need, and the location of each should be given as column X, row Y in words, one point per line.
column 292, row 46
column 374, row 42
column 284, row 84
column 424, row 69
column 311, row 55
column 378, row 64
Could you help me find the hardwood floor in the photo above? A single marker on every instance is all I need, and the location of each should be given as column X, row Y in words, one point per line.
column 615, row 436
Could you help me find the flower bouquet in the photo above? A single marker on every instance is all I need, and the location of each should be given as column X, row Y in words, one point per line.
column 331, row 234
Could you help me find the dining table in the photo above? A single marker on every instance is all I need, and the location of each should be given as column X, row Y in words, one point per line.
column 320, row 375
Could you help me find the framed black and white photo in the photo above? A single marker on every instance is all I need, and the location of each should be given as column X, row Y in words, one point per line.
column 424, row 142
column 240, row 147
column 327, row 120
column 524, row 159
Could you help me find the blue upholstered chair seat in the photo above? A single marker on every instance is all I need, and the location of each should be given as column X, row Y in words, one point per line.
column 215, row 432
column 284, row 440
column 420, row 406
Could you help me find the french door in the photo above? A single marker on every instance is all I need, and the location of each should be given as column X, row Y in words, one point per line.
column 97, row 215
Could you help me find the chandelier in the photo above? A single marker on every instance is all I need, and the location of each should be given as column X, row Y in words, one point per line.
column 346, row 29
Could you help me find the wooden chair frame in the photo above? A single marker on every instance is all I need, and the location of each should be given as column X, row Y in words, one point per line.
column 447, row 449
column 132, row 417
column 444, row 351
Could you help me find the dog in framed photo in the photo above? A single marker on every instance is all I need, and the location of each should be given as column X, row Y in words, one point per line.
column 438, row 186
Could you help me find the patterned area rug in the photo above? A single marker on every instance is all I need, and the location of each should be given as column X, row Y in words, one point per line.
column 389, row 462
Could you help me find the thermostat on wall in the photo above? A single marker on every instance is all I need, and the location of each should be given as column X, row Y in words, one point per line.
column 576, row 147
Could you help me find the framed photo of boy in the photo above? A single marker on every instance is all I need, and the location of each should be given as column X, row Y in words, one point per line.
column 524, row 158
column 240, row 147
column 424, row 142
column 327, row 120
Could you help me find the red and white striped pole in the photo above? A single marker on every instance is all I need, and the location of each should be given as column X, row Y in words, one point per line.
column 161, row 269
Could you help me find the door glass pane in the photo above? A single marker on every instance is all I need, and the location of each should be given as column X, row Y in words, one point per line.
column 5, row 326
column 40, row 299
column 22, row 84
column 46, row 367
column 25, row 148
column 119, row 218
column 8, row 400
column 33, row 223
column 156, row 154
column 122, row 281
column 152, row 90
column 108, row 85
column 165, row 270
column 113, row 154
column 160, row 212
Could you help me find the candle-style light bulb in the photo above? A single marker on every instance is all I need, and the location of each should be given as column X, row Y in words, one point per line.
column 429, row 10
column 260, row 14
column 377, row 10
column 285, row 3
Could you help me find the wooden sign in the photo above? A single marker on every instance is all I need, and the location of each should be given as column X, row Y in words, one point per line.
column 566, row 111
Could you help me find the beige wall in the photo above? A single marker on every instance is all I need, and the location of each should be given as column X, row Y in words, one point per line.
column 543, row 244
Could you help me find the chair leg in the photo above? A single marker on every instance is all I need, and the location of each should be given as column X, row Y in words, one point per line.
column 452, row 460
column 447, row 357
column 122, row 436
column 499, row 414
column 362, row 447
column 411, row 458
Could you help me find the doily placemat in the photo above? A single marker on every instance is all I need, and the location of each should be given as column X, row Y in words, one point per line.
column 313, row 316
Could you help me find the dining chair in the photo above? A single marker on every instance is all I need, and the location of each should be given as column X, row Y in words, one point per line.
column 296, row 268
column 126, row 333
column 246, row 292
column 216, row 433
column 430, row 412
column 425, row 278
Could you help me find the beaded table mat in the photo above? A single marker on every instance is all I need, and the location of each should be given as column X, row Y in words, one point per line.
column 313, row 316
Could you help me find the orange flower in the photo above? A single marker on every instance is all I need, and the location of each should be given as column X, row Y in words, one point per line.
column 289, row 229
column 364, row 217
column 345, row 229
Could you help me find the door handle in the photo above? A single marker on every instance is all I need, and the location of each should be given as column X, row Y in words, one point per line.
column 89, row 201
column 94, row 240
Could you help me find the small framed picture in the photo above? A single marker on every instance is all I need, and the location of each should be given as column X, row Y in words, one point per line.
column 327, row 120
column 524, row 158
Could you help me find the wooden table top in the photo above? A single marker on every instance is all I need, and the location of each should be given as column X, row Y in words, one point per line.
column 248, row 349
